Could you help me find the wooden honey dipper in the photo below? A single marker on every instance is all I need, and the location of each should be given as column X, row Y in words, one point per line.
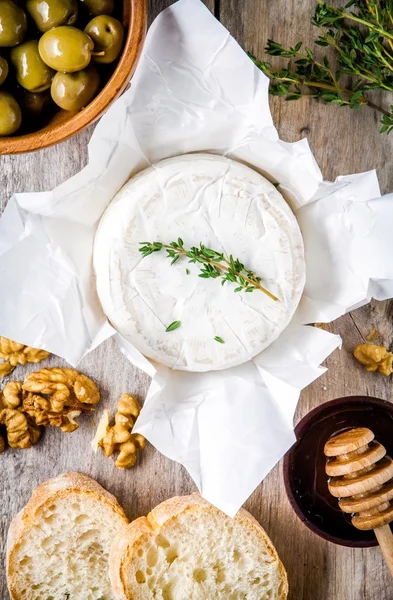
column 361, row 477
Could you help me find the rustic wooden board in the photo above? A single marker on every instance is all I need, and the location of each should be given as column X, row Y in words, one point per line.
column 343, row 142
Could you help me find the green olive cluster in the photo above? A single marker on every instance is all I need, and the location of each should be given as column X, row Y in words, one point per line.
column 53, row 53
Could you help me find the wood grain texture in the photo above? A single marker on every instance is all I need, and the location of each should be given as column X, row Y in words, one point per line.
column 343, row 142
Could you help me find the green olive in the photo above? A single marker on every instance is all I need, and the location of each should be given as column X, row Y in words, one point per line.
column 13, row 23
column 99, row 7
column 73, row 91
column 107, row 34
column 52, row 13
column 34, row 104
column 66, row 49
column 31, row 71
column 10, row 114
column 3, row 69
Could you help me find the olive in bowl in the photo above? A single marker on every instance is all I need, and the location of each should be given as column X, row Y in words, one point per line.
column 34, row 105
column 13, row 23
column 66, row 49
column 73, row 91
column 78, row 89
column 10, row 114
column 47, row 14
column 31, row 71
column 3, row 70
column 107, row 34
column 98, row 7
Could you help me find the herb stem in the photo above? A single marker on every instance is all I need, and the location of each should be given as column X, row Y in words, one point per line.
column 383, row 59
column 342, row 14
column 379, row 108
column 326, row 86
column 315, row 84
column 250, row 281
column 389, row 14
column 365, row 55
column 232, row 271
column 390, row 56
column 253, row 282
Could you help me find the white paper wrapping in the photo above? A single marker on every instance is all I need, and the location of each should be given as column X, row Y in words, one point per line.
column 196, row 90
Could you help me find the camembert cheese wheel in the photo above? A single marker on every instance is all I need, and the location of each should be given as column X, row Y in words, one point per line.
column 226, row 206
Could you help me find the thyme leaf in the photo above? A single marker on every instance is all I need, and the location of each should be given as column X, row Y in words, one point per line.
column 173, row 326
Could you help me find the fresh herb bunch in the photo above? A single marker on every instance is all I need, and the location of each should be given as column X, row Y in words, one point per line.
column 361, row 36
column 214, row 264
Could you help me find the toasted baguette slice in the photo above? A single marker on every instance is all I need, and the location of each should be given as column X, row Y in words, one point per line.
column 58, row 545
column 186, row 549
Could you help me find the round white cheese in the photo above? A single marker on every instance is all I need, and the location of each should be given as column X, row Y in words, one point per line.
column 228, row 207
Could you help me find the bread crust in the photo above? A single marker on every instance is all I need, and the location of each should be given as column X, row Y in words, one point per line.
column 121, row 553
column 47, row 493
column 124, row 542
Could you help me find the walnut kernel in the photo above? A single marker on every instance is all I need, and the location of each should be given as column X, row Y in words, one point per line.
column 40, row 409
column 119, row 437
column 21, row 431
column 13, row 394
column 15, row 354
column 374, row 358
column 5, row 369
column 65, row 387
column 47, row 397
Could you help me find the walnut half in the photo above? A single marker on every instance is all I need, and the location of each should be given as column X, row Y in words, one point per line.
column 15, row 354
column 374, row 358
column 13, row 394
column 66, row 387
column 21, row 431
column 47, row 397
column 39, row 409
column 119, row 437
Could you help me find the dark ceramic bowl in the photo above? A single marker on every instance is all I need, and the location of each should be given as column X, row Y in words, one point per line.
column 304, row 465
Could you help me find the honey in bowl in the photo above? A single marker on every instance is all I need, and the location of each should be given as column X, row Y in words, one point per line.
column 304, row 465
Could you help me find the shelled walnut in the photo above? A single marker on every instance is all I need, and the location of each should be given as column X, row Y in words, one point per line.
column 374, row 358
column 53, row 397
column 40, row 409
column 64, row 386
column 119, row 437
column 21, row 430
column 13, row 394
column 15, row 354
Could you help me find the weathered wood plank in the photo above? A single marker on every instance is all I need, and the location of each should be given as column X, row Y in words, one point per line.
column 343, row 142
column 155, row 478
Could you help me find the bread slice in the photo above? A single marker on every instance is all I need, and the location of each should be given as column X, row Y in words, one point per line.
column 58, row 545
column 186, row 549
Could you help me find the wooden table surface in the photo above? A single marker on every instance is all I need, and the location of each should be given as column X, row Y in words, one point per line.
column 343, row 142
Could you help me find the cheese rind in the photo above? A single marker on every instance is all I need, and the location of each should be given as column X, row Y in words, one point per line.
column 228, row 207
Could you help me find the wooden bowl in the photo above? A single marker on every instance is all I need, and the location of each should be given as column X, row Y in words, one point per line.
column 305, row 478
column 66, row 124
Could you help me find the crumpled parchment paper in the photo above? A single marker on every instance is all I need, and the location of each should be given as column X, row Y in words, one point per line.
column 196, row 90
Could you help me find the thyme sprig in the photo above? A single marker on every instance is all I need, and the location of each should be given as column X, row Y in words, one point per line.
column 214, row 264
column 360, row 36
